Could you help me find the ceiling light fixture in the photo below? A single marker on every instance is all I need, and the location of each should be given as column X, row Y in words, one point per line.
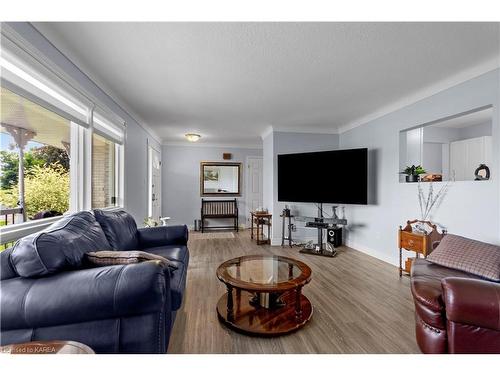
column 192, row 137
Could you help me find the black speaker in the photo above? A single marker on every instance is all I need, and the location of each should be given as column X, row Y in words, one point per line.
column 334, row 236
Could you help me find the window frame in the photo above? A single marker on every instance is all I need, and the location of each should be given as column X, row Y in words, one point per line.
column 81, row 146
column 119, row 177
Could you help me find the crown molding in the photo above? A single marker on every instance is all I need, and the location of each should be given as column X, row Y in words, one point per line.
column 309, row 130
column 442, row 85
column 210, row 145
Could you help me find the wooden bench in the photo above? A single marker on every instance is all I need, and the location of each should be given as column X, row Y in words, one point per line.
column 219, row 209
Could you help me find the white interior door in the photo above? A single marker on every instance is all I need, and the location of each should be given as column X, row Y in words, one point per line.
column 254, row 195
column 154, row 184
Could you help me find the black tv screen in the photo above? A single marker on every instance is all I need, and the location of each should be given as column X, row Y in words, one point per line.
column 338, row 176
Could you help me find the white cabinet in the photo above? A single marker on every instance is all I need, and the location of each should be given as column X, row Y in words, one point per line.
column 466, row 155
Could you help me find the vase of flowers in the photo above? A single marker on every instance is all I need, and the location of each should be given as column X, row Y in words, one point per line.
column 431, row 200
column 149, row 222
column 413, row 173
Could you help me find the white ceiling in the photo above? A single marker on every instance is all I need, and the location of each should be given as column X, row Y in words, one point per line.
column 231, row 81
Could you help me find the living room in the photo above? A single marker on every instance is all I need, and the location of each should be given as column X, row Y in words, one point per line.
column 250, row 188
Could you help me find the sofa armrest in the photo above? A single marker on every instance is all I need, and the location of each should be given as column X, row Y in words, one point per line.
column 162, row 236
column 473, row 302
column 84, row 295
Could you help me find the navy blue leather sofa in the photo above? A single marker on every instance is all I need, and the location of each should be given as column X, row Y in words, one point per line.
column 48, row 292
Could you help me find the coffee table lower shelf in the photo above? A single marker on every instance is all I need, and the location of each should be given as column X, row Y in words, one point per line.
column 260, row 321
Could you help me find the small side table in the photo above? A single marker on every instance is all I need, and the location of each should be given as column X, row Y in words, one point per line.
column 260, row 219
column 421, row 244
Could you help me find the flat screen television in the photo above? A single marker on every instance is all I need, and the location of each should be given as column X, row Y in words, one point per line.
column 339, row 176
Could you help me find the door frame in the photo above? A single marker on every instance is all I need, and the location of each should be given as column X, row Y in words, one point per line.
column 247, row 184
column 150, row 149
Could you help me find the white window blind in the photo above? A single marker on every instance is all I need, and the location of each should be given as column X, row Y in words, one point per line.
column 108, row 125
column 28, row 77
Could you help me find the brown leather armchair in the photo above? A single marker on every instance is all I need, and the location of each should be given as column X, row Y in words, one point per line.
column 455, row 312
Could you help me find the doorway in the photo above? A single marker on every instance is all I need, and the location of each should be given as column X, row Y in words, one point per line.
column 254, row 196
column 154, row 185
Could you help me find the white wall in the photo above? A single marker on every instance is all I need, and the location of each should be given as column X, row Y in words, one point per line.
column 414, row 147
column 136, row 190
column 181, row 199
column 470, row 208
column 432, row 158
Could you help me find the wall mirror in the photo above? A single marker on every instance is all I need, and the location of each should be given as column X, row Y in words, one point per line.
column 456, row 148
column 218, row 178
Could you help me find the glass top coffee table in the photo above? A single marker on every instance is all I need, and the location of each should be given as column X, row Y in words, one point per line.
column 264, row 294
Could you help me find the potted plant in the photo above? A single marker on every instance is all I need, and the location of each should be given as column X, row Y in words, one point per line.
column 412, row 173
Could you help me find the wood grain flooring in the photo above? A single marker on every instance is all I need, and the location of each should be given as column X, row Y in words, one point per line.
column 360, row 305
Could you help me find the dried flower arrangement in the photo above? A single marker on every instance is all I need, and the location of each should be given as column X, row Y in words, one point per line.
column 430, row 201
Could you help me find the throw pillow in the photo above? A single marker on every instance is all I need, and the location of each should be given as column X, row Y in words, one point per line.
column 109, row 258
column 465, row 254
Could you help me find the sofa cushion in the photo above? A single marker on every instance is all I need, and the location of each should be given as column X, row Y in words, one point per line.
column 171, row 252
column 7, row 270
column 163, row 235
column 426, row 282
column 427, row 291
column 59, row 247
column 120, row 229
column 471, row 256
column 111, row 258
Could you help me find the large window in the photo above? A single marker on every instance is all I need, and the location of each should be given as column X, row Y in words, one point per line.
column 60, row 150
column 35, row 152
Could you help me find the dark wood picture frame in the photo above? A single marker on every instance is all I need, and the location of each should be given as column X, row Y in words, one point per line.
column 204, row 164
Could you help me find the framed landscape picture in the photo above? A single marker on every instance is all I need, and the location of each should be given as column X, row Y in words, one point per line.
column 211, row 174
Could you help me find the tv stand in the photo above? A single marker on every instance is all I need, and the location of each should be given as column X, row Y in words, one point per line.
column 321, row 223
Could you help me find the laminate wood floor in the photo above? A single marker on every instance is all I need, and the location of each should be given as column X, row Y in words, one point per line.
column 360, row 305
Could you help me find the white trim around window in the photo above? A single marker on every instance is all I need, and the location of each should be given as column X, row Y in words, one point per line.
column 38, row 82
column 14, row 232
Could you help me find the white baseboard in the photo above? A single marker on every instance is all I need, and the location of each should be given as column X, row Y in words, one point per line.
column 275, row 241
column 371, row 252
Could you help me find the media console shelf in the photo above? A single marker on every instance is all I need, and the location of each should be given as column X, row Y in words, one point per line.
column 320, row 223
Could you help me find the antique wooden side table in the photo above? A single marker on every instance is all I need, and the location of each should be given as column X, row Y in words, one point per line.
column 420, row 243
column 261, row 219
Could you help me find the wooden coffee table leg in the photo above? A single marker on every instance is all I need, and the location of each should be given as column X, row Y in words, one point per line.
column 238, row 300
column 229, row 302
column 298, row 307
column 269, row 231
